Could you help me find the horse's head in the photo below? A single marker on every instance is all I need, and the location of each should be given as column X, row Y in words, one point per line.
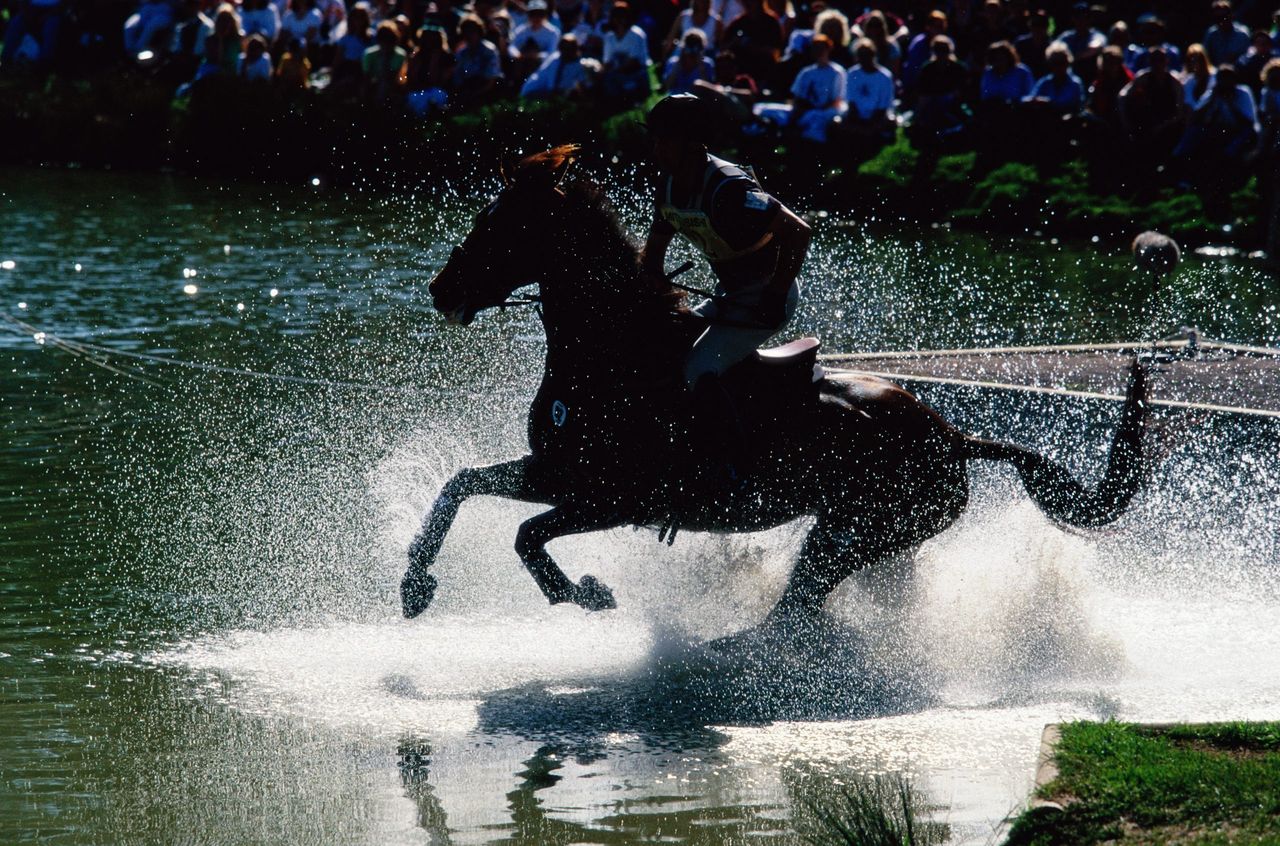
column 507, row 243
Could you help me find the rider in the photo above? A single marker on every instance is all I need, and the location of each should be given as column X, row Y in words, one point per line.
column 755, row 246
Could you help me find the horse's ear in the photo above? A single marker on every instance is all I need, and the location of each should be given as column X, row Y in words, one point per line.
column 570, row 155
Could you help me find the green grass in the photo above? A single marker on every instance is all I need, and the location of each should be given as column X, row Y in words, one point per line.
column 1192, row 784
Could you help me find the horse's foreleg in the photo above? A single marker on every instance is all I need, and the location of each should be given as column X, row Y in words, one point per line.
column 510, row 479
column 531, row 543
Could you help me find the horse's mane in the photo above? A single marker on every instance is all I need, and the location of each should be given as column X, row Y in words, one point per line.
column 599, row 227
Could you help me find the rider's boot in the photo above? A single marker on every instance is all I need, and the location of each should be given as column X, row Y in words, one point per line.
column 719, row 435
column 721, row 458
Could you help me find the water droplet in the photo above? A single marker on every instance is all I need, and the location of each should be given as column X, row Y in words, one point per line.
column 239, row 306
column 22, row 306
column 188, row 273
column 189, row 289
column 275, row 292
column 79, row 267
column 226, row 249
column 315, row 182
column 39, row 338
column 8, row 264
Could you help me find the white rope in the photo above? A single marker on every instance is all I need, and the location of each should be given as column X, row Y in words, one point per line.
column 83, row 349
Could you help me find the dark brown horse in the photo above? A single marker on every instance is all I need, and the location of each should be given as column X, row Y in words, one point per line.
column 880, row 471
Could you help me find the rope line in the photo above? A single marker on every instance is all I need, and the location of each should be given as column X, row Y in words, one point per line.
column 96, row 353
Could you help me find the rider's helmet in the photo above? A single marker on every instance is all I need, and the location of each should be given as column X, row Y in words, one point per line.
column 680, row 116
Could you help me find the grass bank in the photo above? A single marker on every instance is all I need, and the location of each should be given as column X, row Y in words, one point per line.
column 1189, row 784
column 131, row 120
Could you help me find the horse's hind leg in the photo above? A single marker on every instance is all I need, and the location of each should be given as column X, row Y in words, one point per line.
column 831, row 553
column 510, row 479
column 531, row 542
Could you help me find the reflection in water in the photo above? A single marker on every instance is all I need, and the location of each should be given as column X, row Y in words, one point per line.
column 200, row 640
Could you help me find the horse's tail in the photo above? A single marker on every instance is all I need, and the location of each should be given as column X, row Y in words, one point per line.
column 1058, row 493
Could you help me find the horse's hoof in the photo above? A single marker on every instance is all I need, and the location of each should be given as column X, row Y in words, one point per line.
column 593, row 595
column 417, row 589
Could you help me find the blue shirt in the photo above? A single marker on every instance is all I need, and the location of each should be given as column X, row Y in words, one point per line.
column 1065, row 96
column 1009, row 87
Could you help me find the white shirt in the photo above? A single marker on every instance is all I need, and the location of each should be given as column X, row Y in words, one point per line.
column 819, row 86
column 298, row 27
column 869, row 91
column 545, row 37
column 708, row 29
column 543, row 82
column 264, row 22
column 633, row 44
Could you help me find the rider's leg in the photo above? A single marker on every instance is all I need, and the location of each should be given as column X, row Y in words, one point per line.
column 531, row 543
column 717, row 427
column 510, row 479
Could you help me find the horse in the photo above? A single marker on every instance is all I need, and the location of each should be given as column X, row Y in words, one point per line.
column 609, row 430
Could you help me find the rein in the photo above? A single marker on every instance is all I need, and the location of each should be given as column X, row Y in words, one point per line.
column 534, row 299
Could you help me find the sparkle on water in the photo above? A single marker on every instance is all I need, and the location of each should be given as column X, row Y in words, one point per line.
column 201, row 631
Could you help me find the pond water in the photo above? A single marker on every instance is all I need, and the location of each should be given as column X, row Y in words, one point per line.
column 200, row 638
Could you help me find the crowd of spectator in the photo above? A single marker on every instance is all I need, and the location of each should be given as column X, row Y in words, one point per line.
column 1181, row 84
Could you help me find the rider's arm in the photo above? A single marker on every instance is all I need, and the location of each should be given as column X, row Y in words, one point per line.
column 791, row 236
column 654, row 255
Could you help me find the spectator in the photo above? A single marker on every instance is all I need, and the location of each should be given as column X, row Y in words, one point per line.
column 348, row 54
column 564, row 74
column 834, row 25
column 920, row 50
column 144, row 27
column 536, row 38
column 698, row 16
column 260, row 17
column 940, row 111
column 1005, row 80
column 1084, row 42
column 479, row 67
column 293, row 73
column 1035, row 43
column 1224, row 123
column 591, row 28
column 817, row 94
column 301, row 23
column 32, row 33
column 756, row 38
column 383, row 62
column 1104, row 94
column 1151, row 33
column 875, row 28
column 688, row 66
column 1152, row 107
column 1225, row 41
column 429, row 73
column 626, row 57
column 1060, row 90
column 1198, row 78
column 255, row 62
column 191, row 29
column 1259, row 54
column 726, row 11
column 869, row 90
column 222, row 48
